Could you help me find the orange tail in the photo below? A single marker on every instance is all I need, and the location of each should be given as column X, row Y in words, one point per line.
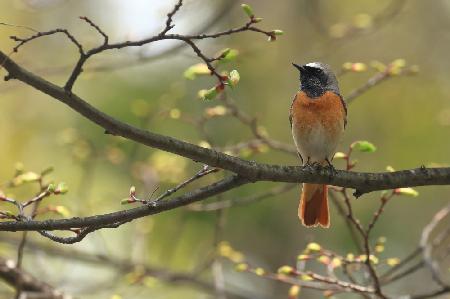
column 313, row 209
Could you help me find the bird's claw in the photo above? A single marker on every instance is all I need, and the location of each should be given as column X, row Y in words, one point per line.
column 311, row 167
column 330, row 167
column 308, row 167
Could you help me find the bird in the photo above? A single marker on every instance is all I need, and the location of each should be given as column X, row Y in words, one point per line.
column 318, row 117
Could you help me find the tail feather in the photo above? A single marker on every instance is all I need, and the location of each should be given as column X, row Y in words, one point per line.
column 313, row 209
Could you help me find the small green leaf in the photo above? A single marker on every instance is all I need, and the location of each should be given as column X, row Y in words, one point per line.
column 336, row 262
column 278, row 32
column 225, row 52
column 363, row 146
column 126, row 201
column 26, row 177
column 393, row 261
column 407, row 191
column 390, row 168
column 286, row 270
column 63, row 211
column 306, row 277
column 248, row 10
column 313, row 247
column 324, row 259
column 230, row 55
column 259, row 271
column 51, row 188
column 208, row 94
column 233, row 78
column 340, row 155
column 132, row 191
column 61, row 188
column 302, row 257
column 257, row 20
column 241, row 267
column 294, row 291
column 195, row 70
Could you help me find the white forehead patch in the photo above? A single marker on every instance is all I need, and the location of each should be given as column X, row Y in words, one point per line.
column 314, row 65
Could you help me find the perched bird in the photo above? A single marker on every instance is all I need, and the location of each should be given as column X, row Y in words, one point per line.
column 318, row 116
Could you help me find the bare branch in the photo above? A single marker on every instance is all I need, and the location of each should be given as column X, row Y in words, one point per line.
column 427, row 245
column 96, row 222
column 23, row 41
column 362, row 182
column 97, row 28
column 29, row 284
column 170, row 15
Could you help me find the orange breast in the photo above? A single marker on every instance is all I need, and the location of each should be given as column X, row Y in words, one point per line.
column 326, row 110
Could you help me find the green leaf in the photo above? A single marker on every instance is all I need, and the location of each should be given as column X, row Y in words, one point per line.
column 407, row 191
column 390, row 168
column 126, row 201
column 393, row 261
column 132, row 191
column 339, row 155
column 51, row 188
column 228, row 55
column 26, row 177
column 286, row 270
column 61, row 188
column 225, row 52
column 313, row 247
column 208, row 94
column 248, row 10
column 233, row 78
column 195, row 70
column 363, row 146
column 63, row 211
column 278, row 32
column 241, row 267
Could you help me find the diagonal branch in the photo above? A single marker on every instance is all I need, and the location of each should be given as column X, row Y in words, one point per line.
column 362, row 182
column 105, row 220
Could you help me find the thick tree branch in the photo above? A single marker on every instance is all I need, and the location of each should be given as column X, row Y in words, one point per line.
column 362, row 182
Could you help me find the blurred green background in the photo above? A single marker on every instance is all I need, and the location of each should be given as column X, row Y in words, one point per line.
column 406, row 117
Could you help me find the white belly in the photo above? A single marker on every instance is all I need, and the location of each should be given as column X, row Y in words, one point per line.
column 317, row 144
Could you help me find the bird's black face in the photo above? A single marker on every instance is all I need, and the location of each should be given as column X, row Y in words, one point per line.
column 316, row 79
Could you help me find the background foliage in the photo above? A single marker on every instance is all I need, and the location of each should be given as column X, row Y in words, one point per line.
column 408, row 118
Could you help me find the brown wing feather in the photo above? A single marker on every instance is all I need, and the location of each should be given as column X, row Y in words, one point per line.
column 344, row 104
column 290, row 110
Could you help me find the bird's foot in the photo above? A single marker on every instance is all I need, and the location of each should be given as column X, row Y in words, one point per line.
column 330, row 167
column 308, row 167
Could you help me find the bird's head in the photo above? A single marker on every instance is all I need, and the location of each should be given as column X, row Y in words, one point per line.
column 316, row 78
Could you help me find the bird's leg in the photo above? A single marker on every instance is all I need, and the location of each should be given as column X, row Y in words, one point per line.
column 316, row 165
column 308, row 166
column 330, row 166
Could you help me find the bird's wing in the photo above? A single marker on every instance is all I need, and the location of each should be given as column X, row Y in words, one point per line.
column 344, row 105
column 290, row 110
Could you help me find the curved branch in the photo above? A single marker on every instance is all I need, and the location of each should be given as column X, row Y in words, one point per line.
column 362, row 182
column 102, row 221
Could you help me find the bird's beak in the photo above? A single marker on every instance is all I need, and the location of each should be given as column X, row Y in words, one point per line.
column 301, row 68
